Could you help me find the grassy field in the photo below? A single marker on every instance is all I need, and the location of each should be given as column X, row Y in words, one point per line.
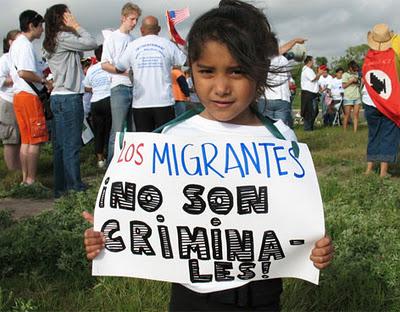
column 43, row 268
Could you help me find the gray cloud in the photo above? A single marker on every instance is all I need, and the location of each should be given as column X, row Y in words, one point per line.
column 330, row 27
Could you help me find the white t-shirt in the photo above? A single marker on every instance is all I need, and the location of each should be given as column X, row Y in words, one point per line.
column 6, row 93
column 24, row 57
column 151, row 58
column 336, row 88
column 200, row 126
column 281, row 91
column 99, row 80
column 113, row 47
column 365, row 98
column 307, row 77
column 324, row 82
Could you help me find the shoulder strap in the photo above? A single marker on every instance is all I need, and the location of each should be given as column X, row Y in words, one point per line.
column 36, row 90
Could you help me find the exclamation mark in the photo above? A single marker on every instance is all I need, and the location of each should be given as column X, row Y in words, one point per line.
column 265, row 268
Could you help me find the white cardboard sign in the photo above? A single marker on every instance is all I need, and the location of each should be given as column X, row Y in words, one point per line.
column 209, row 209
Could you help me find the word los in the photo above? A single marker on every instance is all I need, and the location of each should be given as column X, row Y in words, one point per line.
column 198, row 244
column 262, row 158
column 219, row 199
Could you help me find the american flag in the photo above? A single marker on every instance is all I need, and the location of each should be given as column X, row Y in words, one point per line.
column 178, row 16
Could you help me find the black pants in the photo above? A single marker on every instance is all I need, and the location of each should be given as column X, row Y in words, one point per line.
column 255, row 296
column 309, row 109
column 148, row 119
column 101, row 121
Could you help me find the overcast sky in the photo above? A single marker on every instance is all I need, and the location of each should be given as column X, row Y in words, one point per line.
column 330, row 27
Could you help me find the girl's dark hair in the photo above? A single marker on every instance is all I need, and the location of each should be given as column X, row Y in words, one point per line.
column 98, row 52
column 245, row 31
column 11, row 35
column 54, row 20
column 353, row 65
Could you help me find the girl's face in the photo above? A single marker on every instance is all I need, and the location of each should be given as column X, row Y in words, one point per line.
column 224, row 90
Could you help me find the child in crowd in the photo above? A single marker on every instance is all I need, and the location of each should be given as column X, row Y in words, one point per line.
column 229, row 58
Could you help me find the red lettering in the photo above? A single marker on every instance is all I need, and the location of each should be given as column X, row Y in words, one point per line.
column 120, row 158
column 130, row 152
column 139, row 154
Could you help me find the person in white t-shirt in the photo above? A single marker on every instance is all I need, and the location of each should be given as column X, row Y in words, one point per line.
column 335, row 90
column 151, row 58
column 228, row 82
column 98, row 82
column 9, row 132
column 121, row 87
column 309, row 93
column 277, row 103
column 27, row 67
column 324, row 98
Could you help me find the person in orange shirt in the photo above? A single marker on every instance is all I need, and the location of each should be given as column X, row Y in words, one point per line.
column 180, row 89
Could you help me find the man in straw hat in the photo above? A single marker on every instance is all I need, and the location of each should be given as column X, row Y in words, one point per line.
column 380, row 100
column 380, row 37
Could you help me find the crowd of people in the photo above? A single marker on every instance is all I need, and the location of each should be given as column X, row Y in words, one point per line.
column 139, row 84
column 125, row 93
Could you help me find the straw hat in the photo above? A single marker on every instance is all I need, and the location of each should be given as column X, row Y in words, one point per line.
column 379, row 38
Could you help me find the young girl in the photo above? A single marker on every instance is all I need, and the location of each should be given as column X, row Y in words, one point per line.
column 352, row 96
column 229, row 49
column 64, row 43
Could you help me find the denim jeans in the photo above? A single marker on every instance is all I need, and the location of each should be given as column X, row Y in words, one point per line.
column 121, row 112
column 277, row 109
column 66, row 139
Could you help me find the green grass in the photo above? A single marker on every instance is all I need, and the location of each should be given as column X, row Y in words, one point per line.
column 44, row 269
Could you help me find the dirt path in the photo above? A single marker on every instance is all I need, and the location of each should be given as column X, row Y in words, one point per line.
column 22, row 208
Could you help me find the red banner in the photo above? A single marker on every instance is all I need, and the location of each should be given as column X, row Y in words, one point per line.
column 382, row 82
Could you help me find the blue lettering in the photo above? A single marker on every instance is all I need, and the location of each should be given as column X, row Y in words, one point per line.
column 303, row 173
column 197, row 160
column 175, row 160
column 230, row 150
column 265, row 145
column 255, row 160
column 279, row 159
column 161, row 159
column 207, row 162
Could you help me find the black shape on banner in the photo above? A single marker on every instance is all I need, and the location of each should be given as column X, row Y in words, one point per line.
column 245, row 269
column 150, row 198
column 265, row 269
column 113, row 244
column 296, row 242
column 220, row 200
column 270, row 247
column 124, row 199
column 194, row 272
column 216, row 241
column 221, row 271
column 248, row 199
column 377, row 84
column 197, row 204
column 140, row 232
column 196, row 242
column 165, row 242
column 241, row 249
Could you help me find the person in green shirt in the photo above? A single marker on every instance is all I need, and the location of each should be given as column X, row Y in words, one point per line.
column 352, row 97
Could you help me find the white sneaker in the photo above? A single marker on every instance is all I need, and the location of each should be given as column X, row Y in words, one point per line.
column 101, row 164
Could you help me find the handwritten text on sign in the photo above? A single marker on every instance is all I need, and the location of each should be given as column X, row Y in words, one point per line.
column 208, row 210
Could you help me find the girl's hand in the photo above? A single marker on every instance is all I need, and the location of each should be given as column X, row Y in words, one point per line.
column 70, row 21
column 322, row 253
column 94, row 241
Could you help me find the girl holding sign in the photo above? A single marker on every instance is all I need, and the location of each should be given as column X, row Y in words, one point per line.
column 229, row 51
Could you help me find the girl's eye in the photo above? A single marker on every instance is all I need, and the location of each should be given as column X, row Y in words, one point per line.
column 205, row 71
column 237, row 72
